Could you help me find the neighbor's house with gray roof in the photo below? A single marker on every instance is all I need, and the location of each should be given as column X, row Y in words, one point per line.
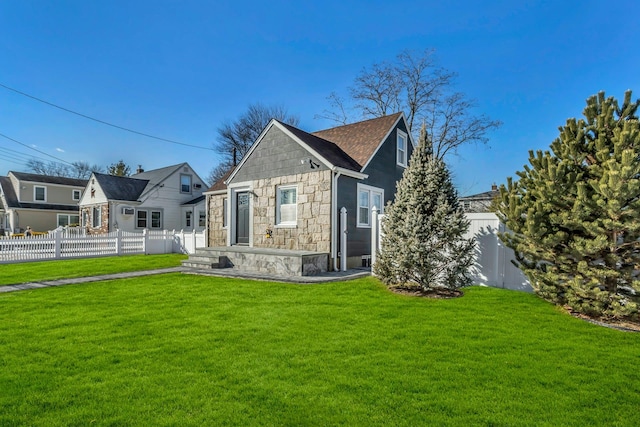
column 288, row 190
column 480, row 202
column 168, row 198
column 39, row 201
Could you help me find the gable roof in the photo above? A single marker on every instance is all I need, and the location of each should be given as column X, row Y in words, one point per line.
column 327, row 149
column 220, row 185
column 361, row 140
column 11, row 200
column 121, row 187
column 10, row 197
column 46, row 179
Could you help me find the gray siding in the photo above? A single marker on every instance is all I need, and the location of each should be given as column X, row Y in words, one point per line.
column 383, row 173
column 276, row 155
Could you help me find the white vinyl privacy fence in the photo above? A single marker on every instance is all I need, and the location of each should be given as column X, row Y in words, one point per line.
column 492, row 267
column 65, row 244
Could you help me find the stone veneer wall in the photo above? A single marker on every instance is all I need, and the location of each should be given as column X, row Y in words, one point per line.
column 104, row 218
column 217, row 233
column 313, row 231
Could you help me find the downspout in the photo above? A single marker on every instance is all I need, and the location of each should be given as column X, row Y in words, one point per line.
column 334, row 221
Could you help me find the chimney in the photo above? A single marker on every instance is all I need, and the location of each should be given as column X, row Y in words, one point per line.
column 139, row 170
column 494, row 187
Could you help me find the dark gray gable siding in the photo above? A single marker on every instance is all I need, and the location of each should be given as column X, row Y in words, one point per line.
column 383, row 173
column 276, row 155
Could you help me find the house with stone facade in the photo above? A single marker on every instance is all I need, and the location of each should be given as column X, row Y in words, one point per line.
column 41, row 202
column 287, row 192
column 169, row 198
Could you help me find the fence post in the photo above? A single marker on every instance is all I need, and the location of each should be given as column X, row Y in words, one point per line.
column 343, row 240
column 374, row 235
column 118, row 241
column 57, row 235
column 145, row 241
column 193, row 241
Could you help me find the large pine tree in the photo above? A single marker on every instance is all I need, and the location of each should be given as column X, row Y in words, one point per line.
column 574, row 214
column 424, row 227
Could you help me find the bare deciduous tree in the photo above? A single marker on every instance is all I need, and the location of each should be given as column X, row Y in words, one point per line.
column 415, row 84
column 236, row 137
column 80, row 170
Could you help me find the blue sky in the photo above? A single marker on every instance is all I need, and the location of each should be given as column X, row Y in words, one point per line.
column 178, row 69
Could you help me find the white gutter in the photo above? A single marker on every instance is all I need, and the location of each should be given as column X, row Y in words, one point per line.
column 334, row 215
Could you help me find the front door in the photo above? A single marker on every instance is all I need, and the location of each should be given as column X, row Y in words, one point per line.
column 242, row 219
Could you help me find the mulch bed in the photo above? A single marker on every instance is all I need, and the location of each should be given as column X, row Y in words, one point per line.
column 626, row 326
column 439, row 293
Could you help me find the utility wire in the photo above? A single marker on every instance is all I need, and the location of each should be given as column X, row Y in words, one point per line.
column 102, row 121
column 35, row 149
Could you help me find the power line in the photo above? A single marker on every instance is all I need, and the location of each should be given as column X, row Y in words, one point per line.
column 102, row 121
column 35, row 149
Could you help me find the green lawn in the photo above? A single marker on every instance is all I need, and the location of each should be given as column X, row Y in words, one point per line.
column 70, row 268
column 187, row 350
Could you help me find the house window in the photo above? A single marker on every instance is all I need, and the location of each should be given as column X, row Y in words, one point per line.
column 68, row 220
column 368, row 197
column 156, row 219
column 202, row 219
column 76, row 194
column 187, row 218
column 401, row 152
column 40, row 194
column 96, row 219
column 185, row 183
column 287, row 206
column 141, row 219
column 224, row 212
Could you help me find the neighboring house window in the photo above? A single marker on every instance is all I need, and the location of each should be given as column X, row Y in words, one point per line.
column 188, row 218
column 224, row 212
column 65, row 220
column 202, row 218
column 185, row 183
column 287, row 206
column 40, row 194
column 368, row 197
column 148, row 219
column 76, row 194
column 156, row 219
column 97, row 217
column 141, row 219
column 401, row 152
column 85, row 218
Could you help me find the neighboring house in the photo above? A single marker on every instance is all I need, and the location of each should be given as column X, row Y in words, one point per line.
column 479, row 202
column 169, row 198
column 39, row 201
column 288, row 190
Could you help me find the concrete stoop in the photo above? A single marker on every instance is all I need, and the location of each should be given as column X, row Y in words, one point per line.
column 280, row 262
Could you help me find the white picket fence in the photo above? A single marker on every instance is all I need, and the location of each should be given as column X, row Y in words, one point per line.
column 64, row 244
column 492, row 267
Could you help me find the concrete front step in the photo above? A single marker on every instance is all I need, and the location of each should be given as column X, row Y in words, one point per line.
column 260, row 260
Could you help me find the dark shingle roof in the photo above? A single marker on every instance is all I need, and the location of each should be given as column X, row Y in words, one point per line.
column 360, row 140
column 121, row 187
column 327, row 149
column 487, row 195
column 49, row 179
column 9, row 194
column 194, row 201
column 219, row 184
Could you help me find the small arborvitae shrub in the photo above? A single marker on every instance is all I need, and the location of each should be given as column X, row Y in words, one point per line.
column 574, row 213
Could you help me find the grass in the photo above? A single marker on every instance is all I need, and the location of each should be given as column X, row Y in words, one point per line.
column 71, row 268
column 187, row 350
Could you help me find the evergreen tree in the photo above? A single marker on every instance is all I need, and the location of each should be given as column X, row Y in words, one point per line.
column 424, row 227
column 119, row 169
column 574, row 214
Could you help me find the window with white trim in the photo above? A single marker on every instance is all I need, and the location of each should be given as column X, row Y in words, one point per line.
column 71, row 220
column 287, row 206
column 156, row 219
column 187, row 218
column 75, row 195
column 39, row 193
column 202, row 219
column 368, row 197
column 185, row 183
column 401, row 148
column 224, row 212
column 96, row 217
